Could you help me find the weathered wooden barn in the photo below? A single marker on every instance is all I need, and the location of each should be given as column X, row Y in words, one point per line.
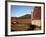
column 36, row 16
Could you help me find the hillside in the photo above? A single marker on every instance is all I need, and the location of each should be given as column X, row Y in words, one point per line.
column 25, row 16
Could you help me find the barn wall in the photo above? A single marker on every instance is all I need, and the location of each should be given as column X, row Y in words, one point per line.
column 36, row 14
column 36, row 22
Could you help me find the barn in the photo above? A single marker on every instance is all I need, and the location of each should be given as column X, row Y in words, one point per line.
column 36, row 16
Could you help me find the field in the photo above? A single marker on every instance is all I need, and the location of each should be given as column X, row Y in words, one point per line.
column 23, row 27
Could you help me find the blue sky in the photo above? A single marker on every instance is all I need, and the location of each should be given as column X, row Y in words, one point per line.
column 17, row 11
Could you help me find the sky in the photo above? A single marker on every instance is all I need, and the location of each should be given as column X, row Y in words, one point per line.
column 17, row 11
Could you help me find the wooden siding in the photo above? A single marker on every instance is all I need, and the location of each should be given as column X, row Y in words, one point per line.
column 36, row 14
